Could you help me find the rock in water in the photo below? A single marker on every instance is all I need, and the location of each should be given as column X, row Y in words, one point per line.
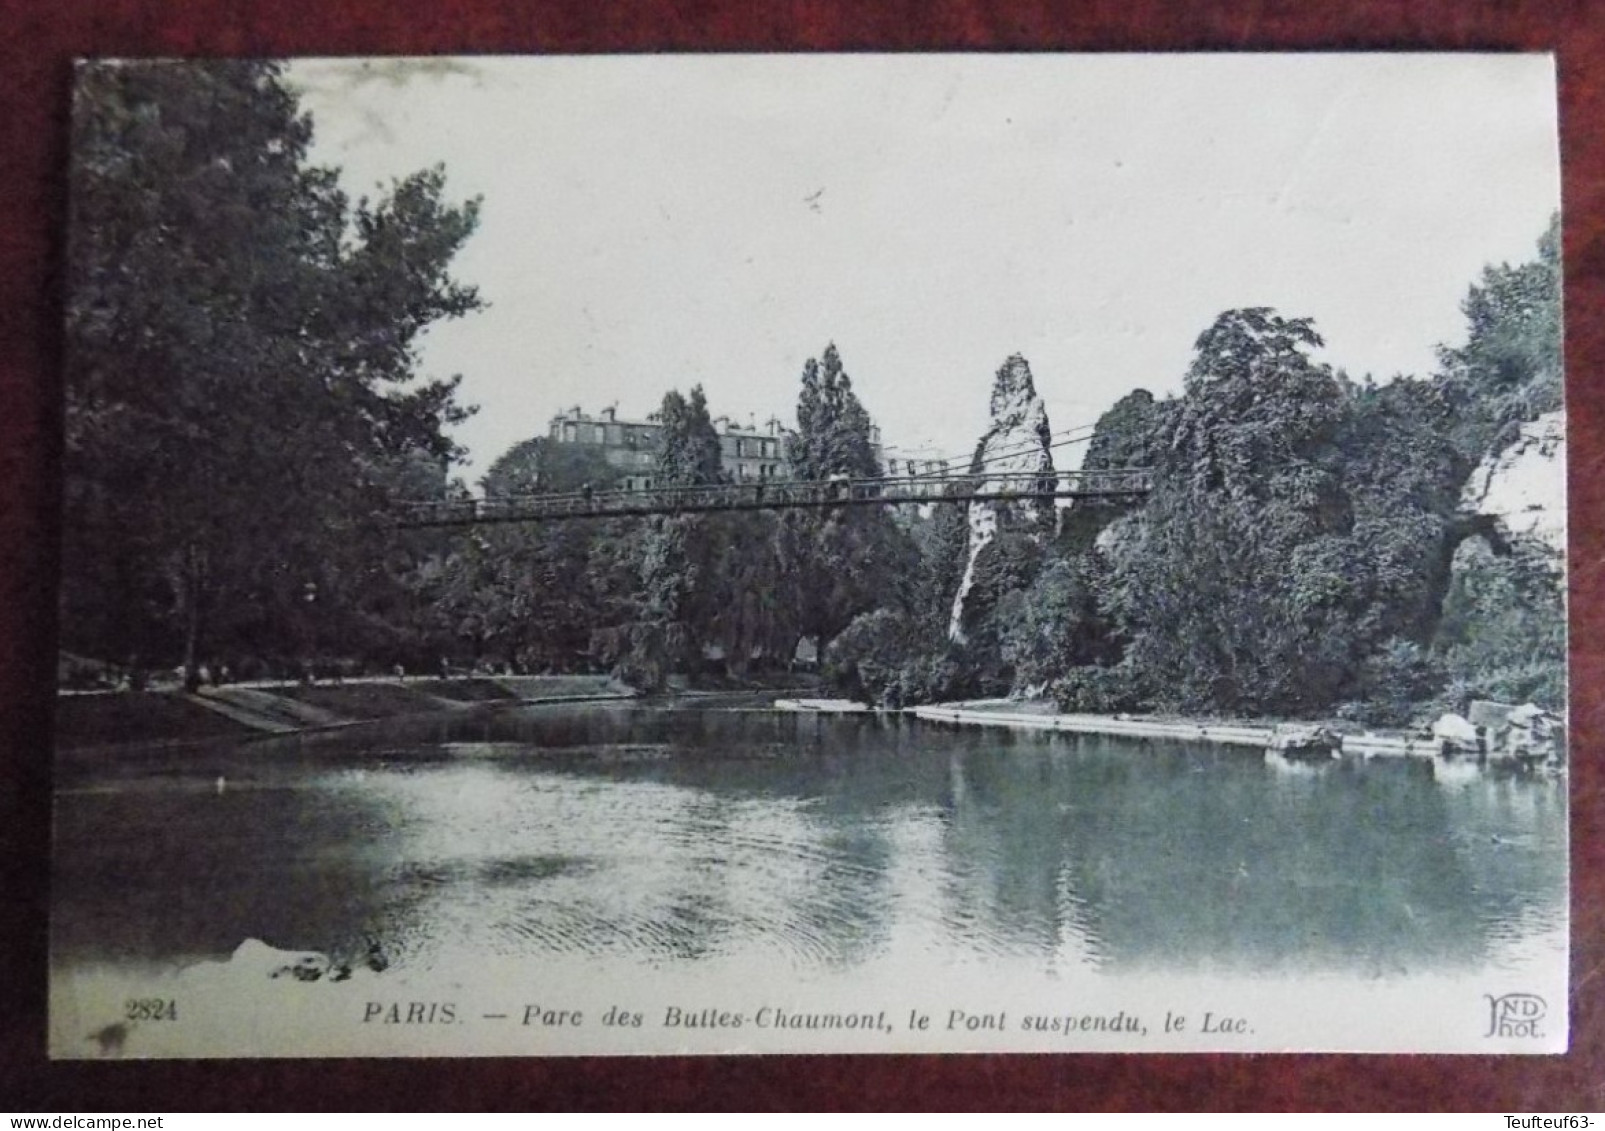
column 1013, row 457
column 1525, row 485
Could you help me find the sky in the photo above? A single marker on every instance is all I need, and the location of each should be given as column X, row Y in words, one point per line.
column 655, row 222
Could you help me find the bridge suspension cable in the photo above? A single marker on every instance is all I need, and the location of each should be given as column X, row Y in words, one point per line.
column 1063, row 438
column 1124, row 484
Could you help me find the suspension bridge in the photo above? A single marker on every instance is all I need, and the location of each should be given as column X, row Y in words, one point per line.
column 938, row 487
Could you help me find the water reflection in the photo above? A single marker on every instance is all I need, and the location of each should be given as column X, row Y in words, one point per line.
column 673, row 836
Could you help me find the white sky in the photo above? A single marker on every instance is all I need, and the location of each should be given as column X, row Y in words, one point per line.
column 652, row 222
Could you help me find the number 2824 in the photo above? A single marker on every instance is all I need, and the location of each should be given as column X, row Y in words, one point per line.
column 151, row 1009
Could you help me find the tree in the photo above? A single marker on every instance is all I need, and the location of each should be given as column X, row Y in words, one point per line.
column 538, row 465
column 942, row 542
column 1056, row 624
column 1127, row 436
column 669, row 614
column 841, row 561
column 866, row 659
column 688, row 452
column 835, row 435
column 518, row 470
column 1257, row 410
column 1510, row 368
column 1402, row 475
column 242, row 392
column 1236, row 588
column 531, row 595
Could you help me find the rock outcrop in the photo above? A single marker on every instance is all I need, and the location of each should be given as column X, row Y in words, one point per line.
column 1524, row 486
column 1013, row 457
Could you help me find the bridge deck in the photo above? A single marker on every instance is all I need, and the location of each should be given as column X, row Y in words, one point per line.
column 778, row 495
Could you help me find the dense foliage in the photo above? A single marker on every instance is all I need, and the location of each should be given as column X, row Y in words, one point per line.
column 1509, row 369
column 242, row 389
column 653, row 597
column 1305, row 551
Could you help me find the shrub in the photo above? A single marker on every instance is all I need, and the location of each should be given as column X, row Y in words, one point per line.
column 932, row 678
column 1100, row 690
column 1541, row 681
column 1394, row 683
column 866, row 658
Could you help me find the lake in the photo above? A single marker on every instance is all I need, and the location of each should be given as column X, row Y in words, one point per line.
column 668, row 836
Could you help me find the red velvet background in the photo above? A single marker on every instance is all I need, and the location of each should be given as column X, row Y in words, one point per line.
column 39, row 40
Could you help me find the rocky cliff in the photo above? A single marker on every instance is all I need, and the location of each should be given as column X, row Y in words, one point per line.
column 1524, row 486
column 1013, row 456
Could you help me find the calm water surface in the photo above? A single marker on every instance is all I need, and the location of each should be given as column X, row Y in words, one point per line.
column 673, row 835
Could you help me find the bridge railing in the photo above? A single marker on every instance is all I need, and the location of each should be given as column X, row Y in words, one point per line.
column 780, row 494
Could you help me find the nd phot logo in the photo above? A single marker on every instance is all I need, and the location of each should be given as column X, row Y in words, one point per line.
column 1515, row 1015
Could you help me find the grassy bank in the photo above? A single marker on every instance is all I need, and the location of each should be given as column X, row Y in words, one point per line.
column 363, row 701
column 171, row 717
column 471, row 690
column 138, row 717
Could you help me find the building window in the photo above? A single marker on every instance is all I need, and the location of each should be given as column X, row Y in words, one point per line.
column 571, row 433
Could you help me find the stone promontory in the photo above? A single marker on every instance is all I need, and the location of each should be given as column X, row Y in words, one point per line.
column 1013, row 456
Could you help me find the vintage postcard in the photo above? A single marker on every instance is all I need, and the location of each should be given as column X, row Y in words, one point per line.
column 724, row 554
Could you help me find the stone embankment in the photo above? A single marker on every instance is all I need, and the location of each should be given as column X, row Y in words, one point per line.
column 822, row 706
column 1006, row 713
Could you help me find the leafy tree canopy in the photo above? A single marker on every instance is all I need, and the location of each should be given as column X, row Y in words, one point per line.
column 689, row 452
column 242, row 372
column 834, row 434
column 1510, row 368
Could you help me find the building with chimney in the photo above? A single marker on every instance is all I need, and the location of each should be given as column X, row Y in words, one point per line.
column 748, row 454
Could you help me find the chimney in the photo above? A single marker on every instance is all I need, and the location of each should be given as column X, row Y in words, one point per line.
column 608, row 413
